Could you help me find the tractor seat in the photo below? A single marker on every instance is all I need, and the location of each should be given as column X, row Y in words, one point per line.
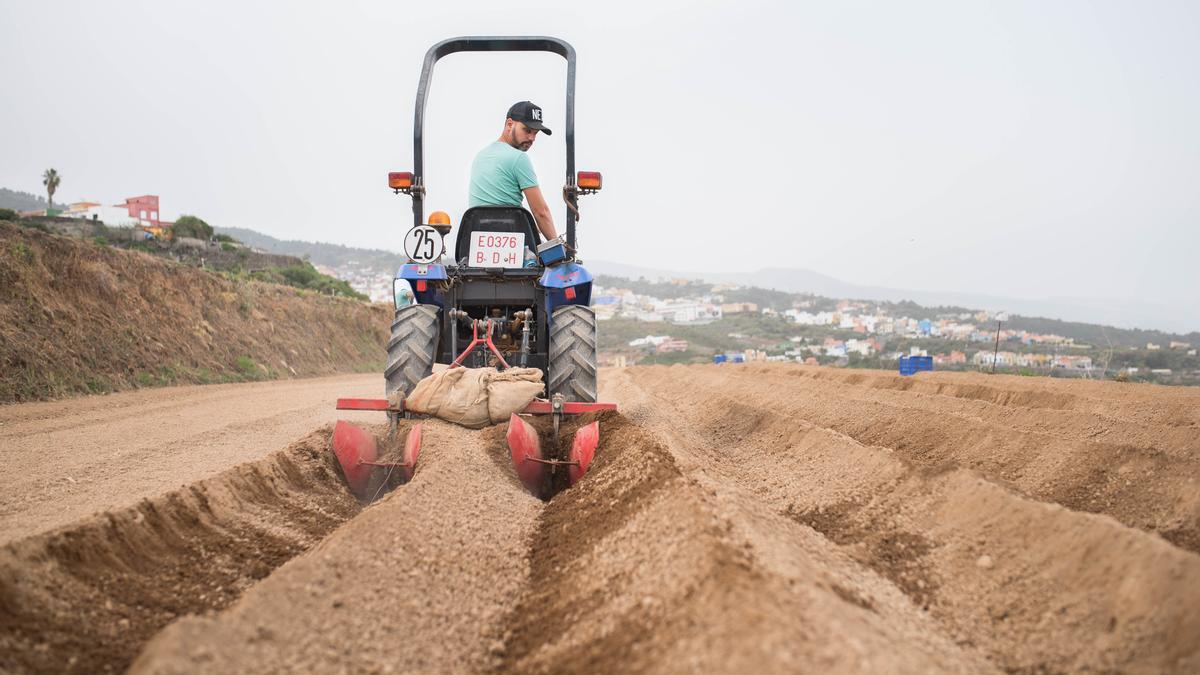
column 495, row 219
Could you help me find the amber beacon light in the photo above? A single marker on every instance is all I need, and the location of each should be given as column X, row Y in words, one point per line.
column 589, row 181
column 400, row 180
column 440, row 221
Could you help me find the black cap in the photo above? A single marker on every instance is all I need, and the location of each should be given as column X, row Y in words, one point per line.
column 528, row 114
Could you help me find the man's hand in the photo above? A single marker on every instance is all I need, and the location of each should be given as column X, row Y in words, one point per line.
column 541, row 212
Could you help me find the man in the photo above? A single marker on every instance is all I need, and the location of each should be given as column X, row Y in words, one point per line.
column 502, row 172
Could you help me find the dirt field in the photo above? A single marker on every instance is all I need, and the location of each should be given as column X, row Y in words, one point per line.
column 755, row 518
column 69, row 459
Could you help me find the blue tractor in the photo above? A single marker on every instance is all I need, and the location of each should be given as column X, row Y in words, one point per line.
column 505, row 297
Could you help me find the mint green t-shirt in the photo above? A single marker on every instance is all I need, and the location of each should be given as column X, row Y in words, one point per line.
column 498, row 175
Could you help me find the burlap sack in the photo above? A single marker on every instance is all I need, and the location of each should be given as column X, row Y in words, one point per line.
column 511, row 390
column 475, row 397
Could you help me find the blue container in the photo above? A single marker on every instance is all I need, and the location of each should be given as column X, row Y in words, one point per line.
column 552, row 252
column 720, row 358
column 911, row 365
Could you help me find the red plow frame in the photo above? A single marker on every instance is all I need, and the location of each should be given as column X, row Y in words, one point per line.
column 357, row 451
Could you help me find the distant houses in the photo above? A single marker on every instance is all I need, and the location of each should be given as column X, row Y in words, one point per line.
column 138, row 212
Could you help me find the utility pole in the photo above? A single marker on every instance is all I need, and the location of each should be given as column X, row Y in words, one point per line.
column 996, row 351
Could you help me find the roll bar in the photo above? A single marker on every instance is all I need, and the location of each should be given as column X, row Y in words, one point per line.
column 495, row 44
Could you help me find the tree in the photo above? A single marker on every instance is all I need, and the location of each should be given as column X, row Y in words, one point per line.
column 191, row 226
column 51, row 179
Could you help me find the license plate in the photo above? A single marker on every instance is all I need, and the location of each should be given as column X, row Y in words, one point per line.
column 497, row 249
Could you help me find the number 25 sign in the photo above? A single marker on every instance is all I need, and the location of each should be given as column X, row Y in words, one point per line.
column 423, row 244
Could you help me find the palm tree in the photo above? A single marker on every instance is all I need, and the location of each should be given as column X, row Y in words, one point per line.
column 51, row 179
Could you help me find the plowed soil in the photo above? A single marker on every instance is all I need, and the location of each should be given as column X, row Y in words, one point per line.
column 737, row 518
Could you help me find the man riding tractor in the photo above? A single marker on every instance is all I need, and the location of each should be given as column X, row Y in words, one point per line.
column 502, row 172
column 514, row 293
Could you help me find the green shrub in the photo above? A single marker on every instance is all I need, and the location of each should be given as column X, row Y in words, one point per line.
column 246, row 367
column 224, row 238
column 100, row 241
column 9, row 214
column 191, row 226
column 226, row 246
column 307, row 277
column 97, row 385
column 20, row 250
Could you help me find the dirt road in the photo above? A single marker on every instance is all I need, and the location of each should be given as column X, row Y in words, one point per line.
column 758, row 518
column 65, row 460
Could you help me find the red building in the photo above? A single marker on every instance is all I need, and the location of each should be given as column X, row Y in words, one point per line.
column 144, row 209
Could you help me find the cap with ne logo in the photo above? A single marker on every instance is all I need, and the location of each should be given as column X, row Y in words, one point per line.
column 528, row 114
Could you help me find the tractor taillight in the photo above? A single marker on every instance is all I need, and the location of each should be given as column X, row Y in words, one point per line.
column 570, row 292
column 400, row 180
column 422, row 286
column 589, row 180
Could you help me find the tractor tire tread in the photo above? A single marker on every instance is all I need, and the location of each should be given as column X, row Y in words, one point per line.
column 572, row 358
column 411, row 348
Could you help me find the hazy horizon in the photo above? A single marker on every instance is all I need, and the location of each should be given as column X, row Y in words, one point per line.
column 1013, row 150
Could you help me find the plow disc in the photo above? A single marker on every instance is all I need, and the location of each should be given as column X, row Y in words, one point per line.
column 357, row 452
column 535, row 469
column 583, row 449
column 526, row 450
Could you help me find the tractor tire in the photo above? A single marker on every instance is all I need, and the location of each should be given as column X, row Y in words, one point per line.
column 572, row 367
column 412, row 348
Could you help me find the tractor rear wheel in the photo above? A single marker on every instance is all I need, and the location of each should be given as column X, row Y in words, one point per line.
column 412, row 348
column 572, row 366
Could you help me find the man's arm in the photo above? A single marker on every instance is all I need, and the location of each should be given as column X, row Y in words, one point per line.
column 541, row 211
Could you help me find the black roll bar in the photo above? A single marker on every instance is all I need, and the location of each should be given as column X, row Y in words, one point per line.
column 494, row 44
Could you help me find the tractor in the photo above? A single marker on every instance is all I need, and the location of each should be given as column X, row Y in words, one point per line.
column 504, row 298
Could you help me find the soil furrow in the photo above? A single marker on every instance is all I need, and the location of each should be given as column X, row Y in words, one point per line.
column 86, row 597
column 640, row 568
column 1034, row 586
column 1155, row 405
column 418, row 582
column 1143, row 487
column 66, row 460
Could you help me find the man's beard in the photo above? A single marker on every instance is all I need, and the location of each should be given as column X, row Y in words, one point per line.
column 512, row 140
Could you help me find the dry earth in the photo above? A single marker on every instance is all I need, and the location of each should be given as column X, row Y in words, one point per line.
column 67, row 459
column 757, row 518
column 80, row 318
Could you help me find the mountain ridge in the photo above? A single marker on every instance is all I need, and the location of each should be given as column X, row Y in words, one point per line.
column 1117, row 313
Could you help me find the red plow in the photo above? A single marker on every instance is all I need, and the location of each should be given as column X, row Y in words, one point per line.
column 539, row 468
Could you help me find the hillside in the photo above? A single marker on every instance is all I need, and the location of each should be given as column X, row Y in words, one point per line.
column 21, row 201
column 77, row 317
column 795, row 326
column 1142, row 313
column 1083, row 332
column 330, row 255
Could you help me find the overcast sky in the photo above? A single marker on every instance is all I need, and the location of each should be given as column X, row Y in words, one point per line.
column 1024, row 149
